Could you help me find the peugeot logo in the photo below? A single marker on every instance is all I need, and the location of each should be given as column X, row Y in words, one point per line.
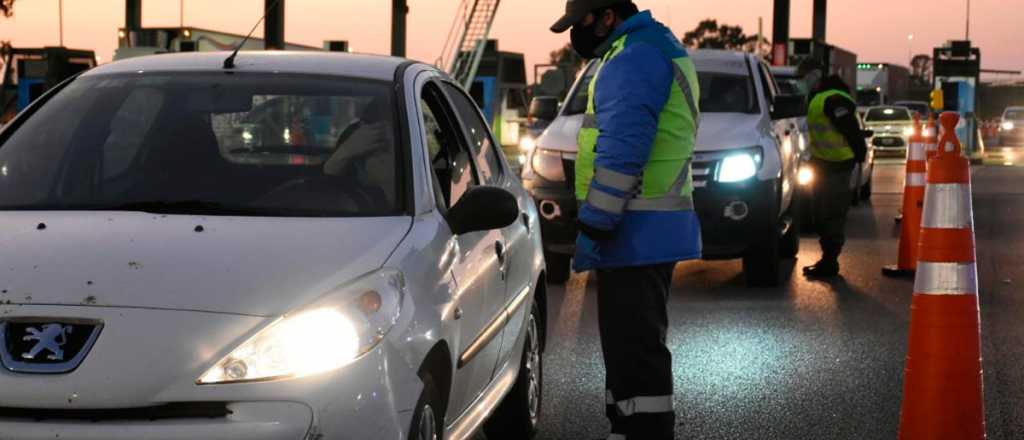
column 51, row 338
column 46, row 346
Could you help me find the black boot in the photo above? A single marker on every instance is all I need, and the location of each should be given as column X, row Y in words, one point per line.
column 824, row 268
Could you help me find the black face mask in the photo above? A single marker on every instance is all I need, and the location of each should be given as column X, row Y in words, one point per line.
column 585, row 40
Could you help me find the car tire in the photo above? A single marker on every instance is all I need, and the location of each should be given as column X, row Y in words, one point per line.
column 789, row 244
column 518, row 415
column 762, row 261
column 428, row 418
column 559, row 267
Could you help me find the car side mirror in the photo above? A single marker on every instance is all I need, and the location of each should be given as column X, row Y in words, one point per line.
column 788, row 106
column 483, row 208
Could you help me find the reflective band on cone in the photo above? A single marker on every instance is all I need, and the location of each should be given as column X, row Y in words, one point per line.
column 913, row 202
column 916, row 179
column 946, row 279
column 945, row 206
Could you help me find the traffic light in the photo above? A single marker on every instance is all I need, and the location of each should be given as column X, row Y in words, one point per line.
column 938, row 101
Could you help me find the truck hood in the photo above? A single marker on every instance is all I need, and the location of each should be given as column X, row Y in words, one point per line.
column 240, row 265
column 561, row 135
column 728, row 131
column 718, row 131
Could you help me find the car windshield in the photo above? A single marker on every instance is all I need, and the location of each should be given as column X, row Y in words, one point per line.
column 209, row 143
column 577, row 103
column 1014, row 115
column 888, row 114
column 726, row 93
column 791, row 86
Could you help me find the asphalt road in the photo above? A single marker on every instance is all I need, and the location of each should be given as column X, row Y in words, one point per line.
column 809, row 360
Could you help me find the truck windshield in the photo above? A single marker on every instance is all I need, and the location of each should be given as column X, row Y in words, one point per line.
column 726, row 93
column 888, row 114
column 209, row 143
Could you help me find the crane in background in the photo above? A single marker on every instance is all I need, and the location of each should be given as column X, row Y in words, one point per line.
column 467, row 39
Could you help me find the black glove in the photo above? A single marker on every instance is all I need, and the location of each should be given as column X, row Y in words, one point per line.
column 598, row 235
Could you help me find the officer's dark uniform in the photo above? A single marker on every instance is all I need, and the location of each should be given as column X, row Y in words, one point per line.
column 837, row 145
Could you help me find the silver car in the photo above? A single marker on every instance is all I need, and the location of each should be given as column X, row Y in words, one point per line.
column 304, row 246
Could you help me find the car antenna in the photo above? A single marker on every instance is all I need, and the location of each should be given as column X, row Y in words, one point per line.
column 229, row 63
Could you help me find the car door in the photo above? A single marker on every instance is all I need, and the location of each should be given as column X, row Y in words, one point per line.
column 518, row 252
column 477, row 269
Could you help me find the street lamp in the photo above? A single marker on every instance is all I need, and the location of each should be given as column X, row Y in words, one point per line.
column 910, row 48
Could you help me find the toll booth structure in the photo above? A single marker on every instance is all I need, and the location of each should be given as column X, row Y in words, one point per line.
column 957, row 73
column 151, row 41
column 499, row 88
column 28, row 73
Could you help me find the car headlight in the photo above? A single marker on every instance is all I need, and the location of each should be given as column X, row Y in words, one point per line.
column 548, row 164
column 738, row 167
column 352, row 320
column 1007, row 126
column 909, row 131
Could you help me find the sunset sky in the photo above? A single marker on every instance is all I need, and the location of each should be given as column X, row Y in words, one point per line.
column 859, row 25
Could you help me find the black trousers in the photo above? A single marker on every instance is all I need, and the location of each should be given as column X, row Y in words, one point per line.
column 831, row 204
column 633, row 320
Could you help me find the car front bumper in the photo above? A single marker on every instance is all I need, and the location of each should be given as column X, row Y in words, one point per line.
column 734, row 215
column 557, row 206
column 145, row 360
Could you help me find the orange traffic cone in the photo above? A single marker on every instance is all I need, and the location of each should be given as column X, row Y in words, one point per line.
column 942, row 394
column 931, row 137
column 913, row 203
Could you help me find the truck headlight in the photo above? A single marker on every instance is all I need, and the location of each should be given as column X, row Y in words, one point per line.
column 1007, row 126
column 738, row 167
column 336, row 331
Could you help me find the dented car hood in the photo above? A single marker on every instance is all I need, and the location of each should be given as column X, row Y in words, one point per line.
column 241, row 265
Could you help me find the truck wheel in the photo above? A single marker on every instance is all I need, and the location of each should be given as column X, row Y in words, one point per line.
column 559, row 267
column 762, row 260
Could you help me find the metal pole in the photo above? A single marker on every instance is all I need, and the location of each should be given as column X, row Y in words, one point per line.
column 968, row 34
column 399, row 10
column 820, row 19
column 273, row 27
column 132, row 15
column 181, row 14
column 760, row 35
column 780, row 33
column 60, row 14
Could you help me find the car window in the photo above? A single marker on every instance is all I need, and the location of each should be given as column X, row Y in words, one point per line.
column 276, row 144
column 449, row 155
column 726, row 93
column 485, row 153
column 887, row 114
column 1014, row 115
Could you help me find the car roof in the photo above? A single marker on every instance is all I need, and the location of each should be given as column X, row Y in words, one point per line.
column 306, row 62
column 723, row 61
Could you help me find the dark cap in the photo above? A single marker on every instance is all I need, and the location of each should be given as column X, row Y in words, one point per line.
column 577, row 10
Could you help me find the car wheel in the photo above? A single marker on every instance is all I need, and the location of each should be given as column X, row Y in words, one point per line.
column 428, row 419
column 518, row 415
column 762, row 260
column 789, row 244
column 559, row 267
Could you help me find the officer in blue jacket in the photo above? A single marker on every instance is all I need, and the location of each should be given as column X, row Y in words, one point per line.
column 635, row 190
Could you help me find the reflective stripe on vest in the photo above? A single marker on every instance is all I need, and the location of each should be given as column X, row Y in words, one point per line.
column 644, row 405
column 642, row 197
column 827, row 143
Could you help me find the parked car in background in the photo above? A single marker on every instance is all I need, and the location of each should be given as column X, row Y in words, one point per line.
column 892, row 126
column 1011, row 127
column 744, row 170
column 304, row 246
column 543, row 110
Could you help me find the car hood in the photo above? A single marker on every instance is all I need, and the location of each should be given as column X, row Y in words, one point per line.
column 561, row 134
column 718, row 131
column 242, row 265
column 728, row 131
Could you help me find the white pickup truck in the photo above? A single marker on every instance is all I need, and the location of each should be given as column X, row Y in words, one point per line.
column 745, row 168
